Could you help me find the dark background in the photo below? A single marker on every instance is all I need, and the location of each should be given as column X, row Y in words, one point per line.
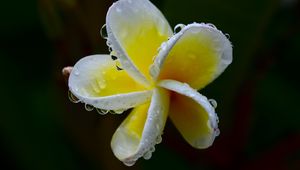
column 258, row 95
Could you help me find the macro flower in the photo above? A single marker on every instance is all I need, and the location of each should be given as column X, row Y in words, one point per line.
column 156, row 73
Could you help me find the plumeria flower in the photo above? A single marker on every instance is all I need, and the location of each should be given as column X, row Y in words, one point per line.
column 155, row 72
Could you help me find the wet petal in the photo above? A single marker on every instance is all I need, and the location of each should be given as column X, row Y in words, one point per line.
column 96, row 81
column 192, row 114
column 196, row 55
column 138, row 133
column 136, row 29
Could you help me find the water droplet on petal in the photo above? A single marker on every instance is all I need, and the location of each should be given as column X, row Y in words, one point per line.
column 158, row 49
column 119, row 111
column 102, row 86
column 110, row 49
column 88, row 107
column 119, row 10
column 129, row 163
column 163, row 46
column 152, row 149
column 186, row 85
column 73, row 98
column 178, row 28
column 154, row 70
column 213, row 103
column 227, row 35
column 119, row 68
column 147, row 155
column 76, row 73
column 212, row 25
column 113, row 57
column 101, row 111
column 157, row 126
column 103, row 32
column 217, row 131
column 158, row 139
column 108, row 43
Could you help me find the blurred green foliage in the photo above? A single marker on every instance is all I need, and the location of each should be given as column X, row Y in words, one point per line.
column 257, row 94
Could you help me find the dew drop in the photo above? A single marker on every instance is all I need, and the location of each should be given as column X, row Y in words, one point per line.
column 154, row 70
column 119, row 68
column 111, row 112
column 113, row 57
column 124, row 34
column 73, row 98
column 152, row 149
column 88, row 107
column 158, row 139
column 129, row 163
column 76, row 73
column 192, row 95
column 102, row 85
column 227, row 35
column 108, row 43
column 147, row 155
column 212, row 25
column 95, row 87
column 103, row 32
column 110, row 49
column 119, row 111
column 118, row 10
column 157, row 126
column 213, row 103
column 217, row 119
column 163, row 46
column 178, row 28
column 101, row 111
column 186, row 85
column 217, row 131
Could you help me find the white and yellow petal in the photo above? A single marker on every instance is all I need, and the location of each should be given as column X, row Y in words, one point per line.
column 136, row 29
column 192, row 114
column 196, row 55
column 96, row 81
column 142, row 129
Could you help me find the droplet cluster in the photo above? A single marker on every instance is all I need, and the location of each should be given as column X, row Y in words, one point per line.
column 146, row 154
column 178, row 28
column 89, row 107
column 213, row 103
column 73, row 98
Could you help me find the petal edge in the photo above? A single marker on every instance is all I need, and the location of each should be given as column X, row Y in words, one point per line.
column 135, row 31
column 182, row 52
column 192, row 114
column 128, row 146
column 94, row 80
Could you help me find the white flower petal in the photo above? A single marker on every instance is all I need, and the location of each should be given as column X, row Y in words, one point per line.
column 136, row 28
column 140, row 131
column 117, row 102
column 192, row 114
column 95, row 80
column 199, row 46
